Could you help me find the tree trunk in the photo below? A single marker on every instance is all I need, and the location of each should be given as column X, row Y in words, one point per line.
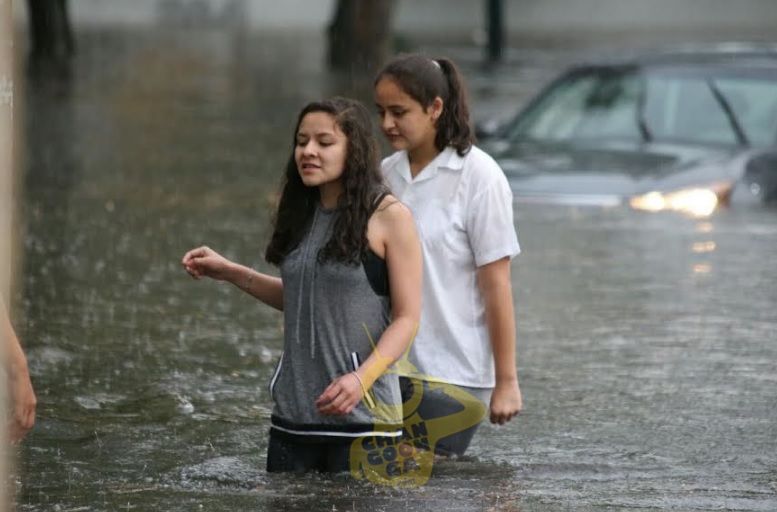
column 51, row 37
column 360, row 35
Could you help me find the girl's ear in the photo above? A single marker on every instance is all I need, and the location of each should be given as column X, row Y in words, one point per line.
column 435, row 109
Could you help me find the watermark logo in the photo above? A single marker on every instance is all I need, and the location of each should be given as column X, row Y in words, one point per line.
column 407, row 460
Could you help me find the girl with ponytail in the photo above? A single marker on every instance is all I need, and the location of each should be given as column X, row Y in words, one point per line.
column 463, row 207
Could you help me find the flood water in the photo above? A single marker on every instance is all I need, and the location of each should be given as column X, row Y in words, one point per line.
column 647, row 343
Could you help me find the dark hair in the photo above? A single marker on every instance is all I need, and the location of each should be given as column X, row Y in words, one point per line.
column 424, row 79
column 362, row 186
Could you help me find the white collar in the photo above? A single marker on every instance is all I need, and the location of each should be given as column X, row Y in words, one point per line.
column 448, row 158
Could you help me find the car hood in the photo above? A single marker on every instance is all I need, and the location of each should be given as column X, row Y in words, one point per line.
column 603, row 173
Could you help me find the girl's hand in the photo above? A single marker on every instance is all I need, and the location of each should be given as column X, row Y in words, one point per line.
column 341, row 397
column 506, row 402
column 205, row 262
column 24, row 403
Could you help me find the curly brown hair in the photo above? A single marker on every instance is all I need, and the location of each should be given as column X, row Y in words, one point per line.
column 362, row 187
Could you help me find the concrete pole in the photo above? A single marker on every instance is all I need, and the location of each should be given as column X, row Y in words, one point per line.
column 495, row 30
column 6, row 210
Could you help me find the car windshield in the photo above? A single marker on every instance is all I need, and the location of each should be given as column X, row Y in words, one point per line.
column 654, row 105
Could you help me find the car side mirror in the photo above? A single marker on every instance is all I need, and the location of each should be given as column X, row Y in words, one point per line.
column 761, row 176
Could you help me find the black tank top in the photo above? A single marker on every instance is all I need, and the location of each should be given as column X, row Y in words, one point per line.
column 375, row 266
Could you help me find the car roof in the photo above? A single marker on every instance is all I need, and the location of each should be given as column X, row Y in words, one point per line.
column 724, row 55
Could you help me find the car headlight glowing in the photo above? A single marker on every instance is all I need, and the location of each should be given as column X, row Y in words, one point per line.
column 698, row 202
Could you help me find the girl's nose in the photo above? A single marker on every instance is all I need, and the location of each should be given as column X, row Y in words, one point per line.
column 386, row 122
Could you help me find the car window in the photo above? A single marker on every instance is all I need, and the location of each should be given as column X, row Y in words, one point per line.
column 755, row 104
column 694, row 108
column 686, row 109
column 585, row 106
column 656, row 105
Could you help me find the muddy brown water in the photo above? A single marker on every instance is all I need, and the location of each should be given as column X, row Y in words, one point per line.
column 647, row 343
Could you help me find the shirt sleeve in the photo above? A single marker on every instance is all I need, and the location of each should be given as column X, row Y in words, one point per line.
column 490, row 223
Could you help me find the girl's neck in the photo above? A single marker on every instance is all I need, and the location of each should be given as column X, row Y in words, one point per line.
column 329, row 194
column 420, row 157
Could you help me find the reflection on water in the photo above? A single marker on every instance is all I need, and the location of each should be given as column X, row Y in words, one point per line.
column 704, row 246
column 648, row 384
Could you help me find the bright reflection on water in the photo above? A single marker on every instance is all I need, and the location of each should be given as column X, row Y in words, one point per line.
column 649, row 383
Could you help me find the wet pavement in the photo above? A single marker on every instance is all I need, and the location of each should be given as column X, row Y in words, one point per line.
column 647, row 342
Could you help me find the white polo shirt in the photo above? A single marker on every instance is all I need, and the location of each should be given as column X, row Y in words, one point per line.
column 463, row 207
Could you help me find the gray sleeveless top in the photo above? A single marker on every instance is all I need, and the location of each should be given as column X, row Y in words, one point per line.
column 331, row 311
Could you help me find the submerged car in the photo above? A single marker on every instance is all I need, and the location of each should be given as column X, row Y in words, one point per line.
column 683, row 130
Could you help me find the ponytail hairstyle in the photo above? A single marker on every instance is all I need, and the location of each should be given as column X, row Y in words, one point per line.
column 362, row 186
column 425, row 79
